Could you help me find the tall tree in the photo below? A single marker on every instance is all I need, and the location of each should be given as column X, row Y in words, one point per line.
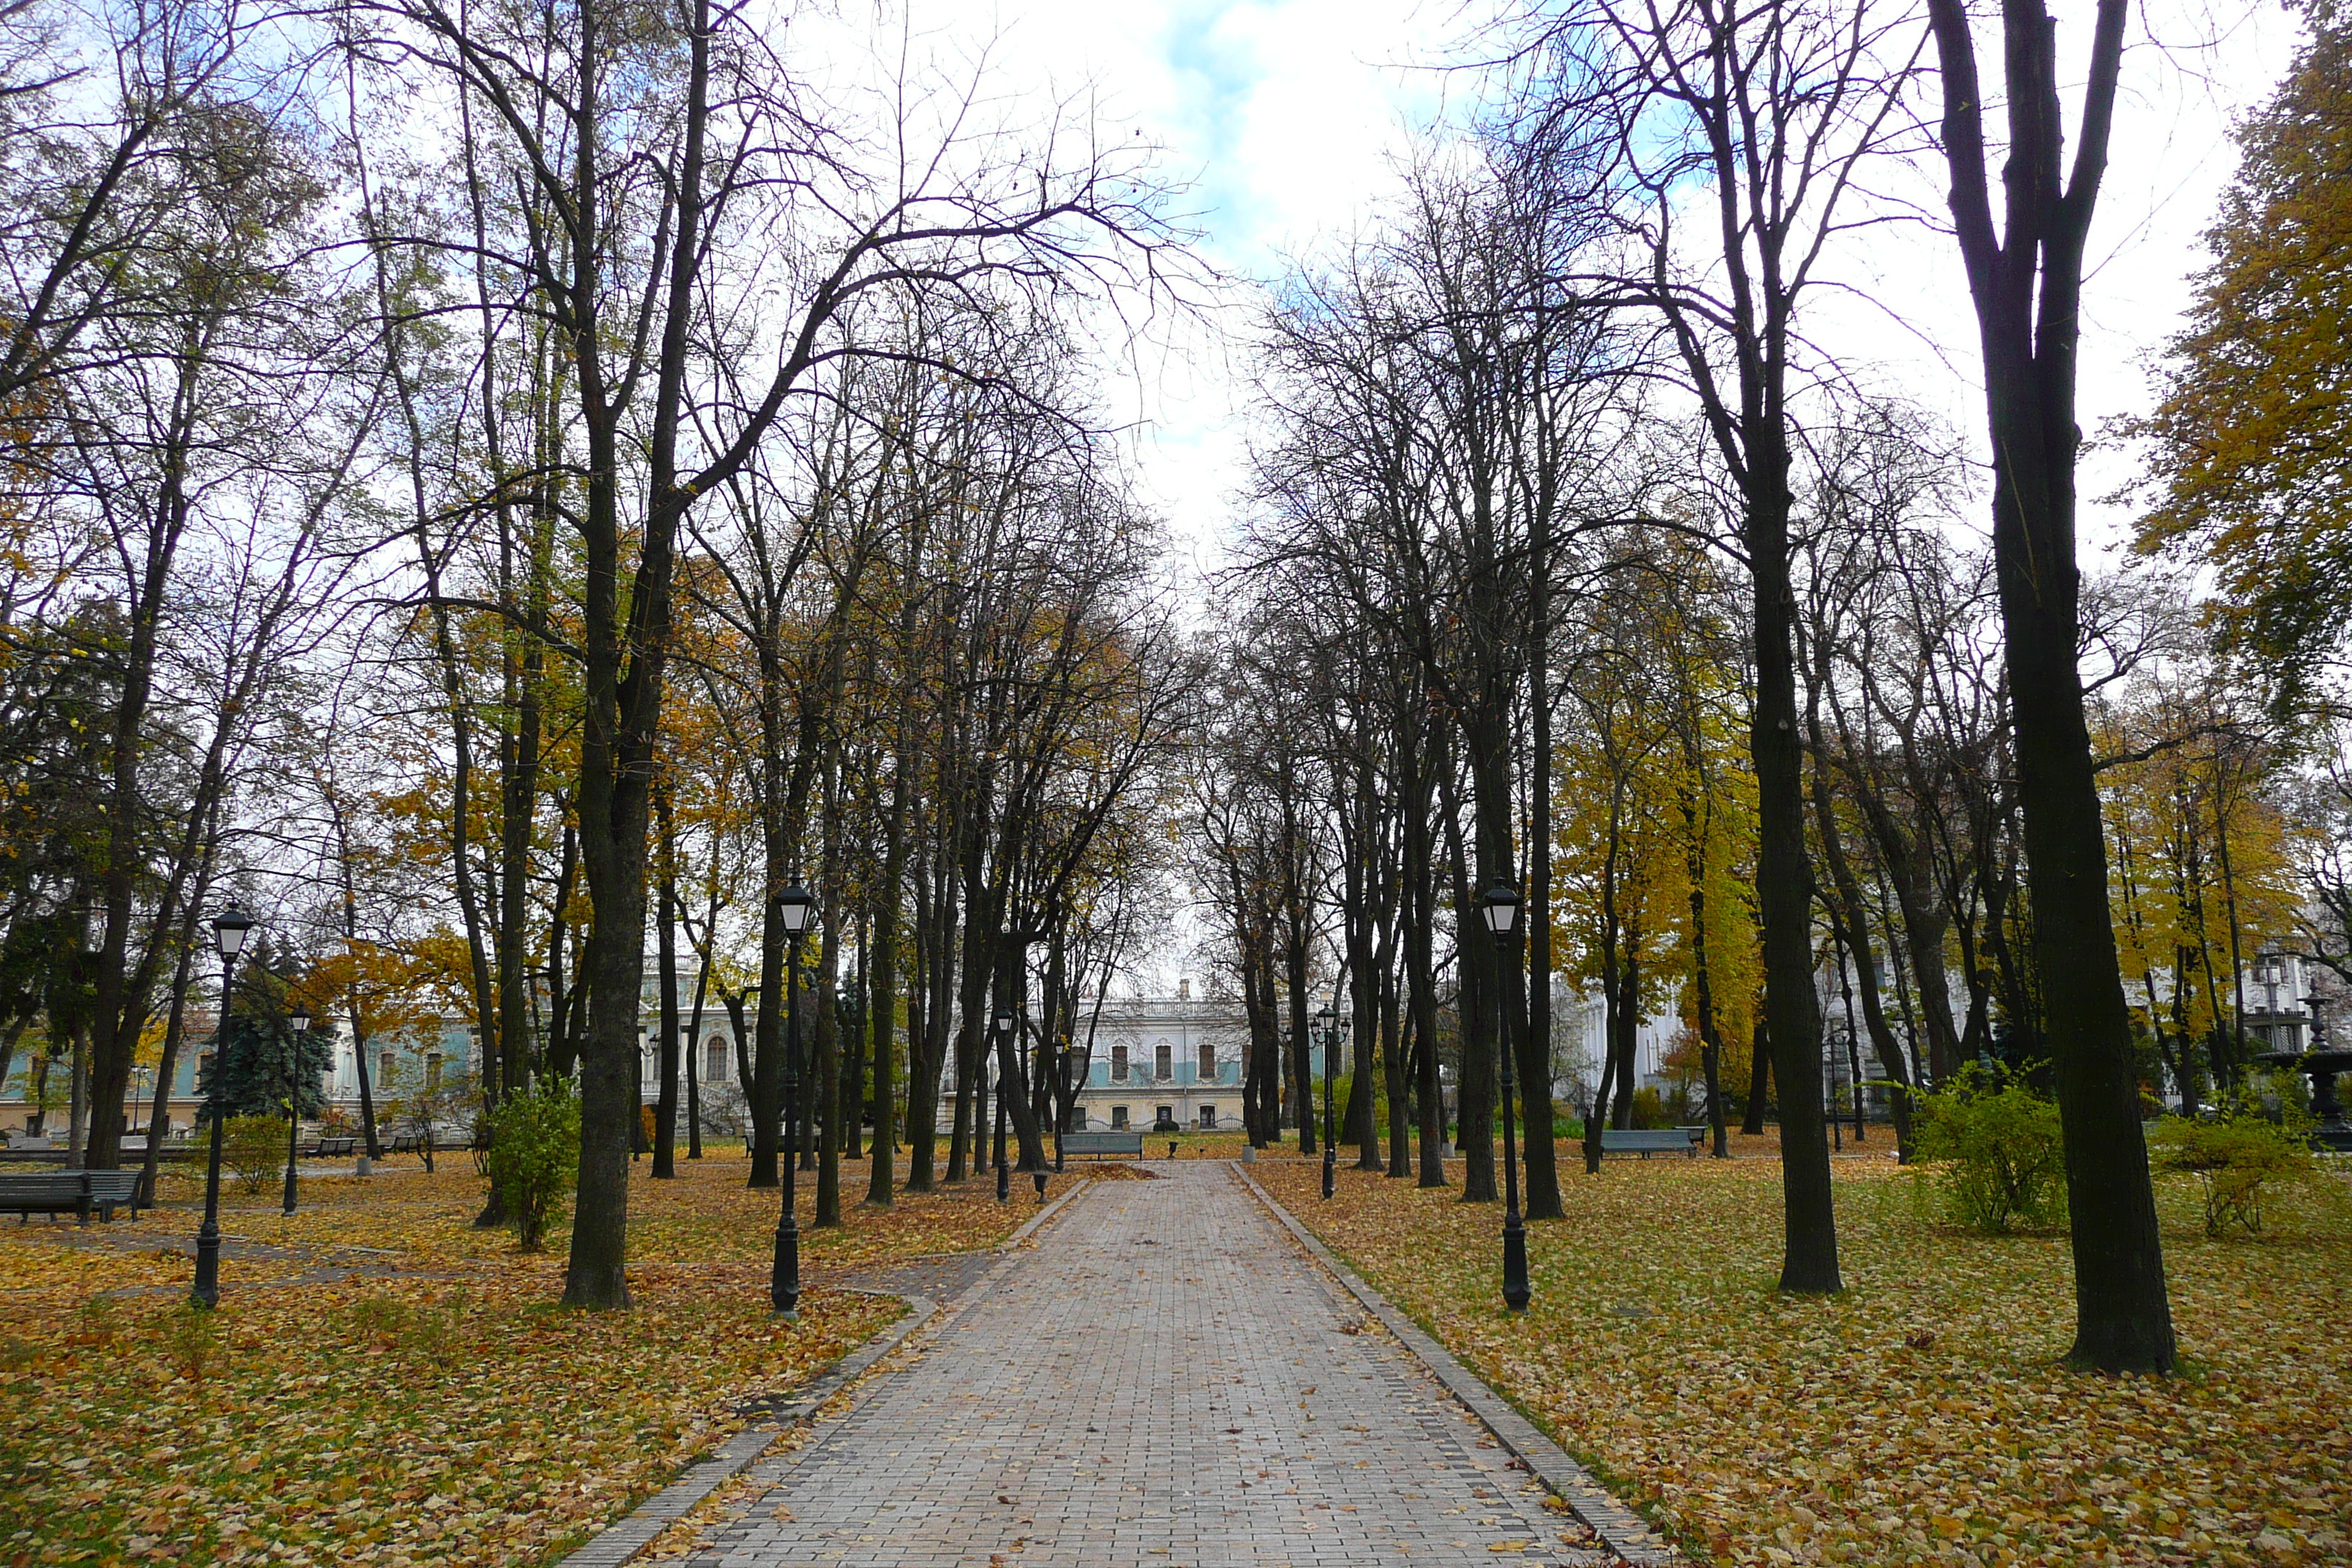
column 1774, row 111
column 2253, row 440
column 2025, row 280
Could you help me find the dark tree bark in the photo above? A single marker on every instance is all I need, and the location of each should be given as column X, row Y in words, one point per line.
column 1759, row 1083
column 882, row 996
column 665, row 1051
column 2027, row 289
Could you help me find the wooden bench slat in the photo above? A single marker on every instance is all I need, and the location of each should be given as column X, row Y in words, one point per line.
column 1102, row 1142
column 68, row 1191
column 1646, row 1141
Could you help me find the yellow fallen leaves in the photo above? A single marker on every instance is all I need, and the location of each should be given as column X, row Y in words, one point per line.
column 1921, row 1417
column 383, row 1384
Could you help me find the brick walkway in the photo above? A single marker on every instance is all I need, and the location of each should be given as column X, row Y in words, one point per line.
column 1166, row 1382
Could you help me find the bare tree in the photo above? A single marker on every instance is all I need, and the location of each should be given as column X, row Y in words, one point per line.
column 2025, row 278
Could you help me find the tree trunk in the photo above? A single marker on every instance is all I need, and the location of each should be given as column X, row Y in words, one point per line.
column 826, row 1110
column 1759, row 1082
column 1420, row 995
column 665, row 1052
column 2027, row 294
column 1474, row 967
column 882, row 996
column 1784, row 880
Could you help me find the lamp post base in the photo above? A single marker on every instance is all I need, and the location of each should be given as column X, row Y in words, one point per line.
column 1516, row 1291
column 1040, row 1179
column 205, row 1293
column 1331, row 1164
column 784, row 1279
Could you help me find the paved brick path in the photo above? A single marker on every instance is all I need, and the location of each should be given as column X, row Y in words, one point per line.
column 1167, row 1382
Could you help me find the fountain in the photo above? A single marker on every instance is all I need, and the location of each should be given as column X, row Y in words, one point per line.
column 2321, row 1065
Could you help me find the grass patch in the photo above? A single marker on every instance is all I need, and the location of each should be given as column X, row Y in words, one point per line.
column 1923, row 1414
column 390, row 1385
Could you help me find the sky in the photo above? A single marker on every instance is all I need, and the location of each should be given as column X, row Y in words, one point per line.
column 1287, row 118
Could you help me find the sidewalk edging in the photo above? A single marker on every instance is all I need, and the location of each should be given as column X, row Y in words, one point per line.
column 636, row 1529
column 1620, row 1528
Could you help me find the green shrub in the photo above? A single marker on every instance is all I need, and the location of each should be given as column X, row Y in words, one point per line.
column 191, row 1339
column 2233, row 1160
column 253, row 1148
column 1649, row 1110
column 100, row 1321
column 381, row 1318
column 434, row 1332
column 533, row 1158
column 1993, row 1152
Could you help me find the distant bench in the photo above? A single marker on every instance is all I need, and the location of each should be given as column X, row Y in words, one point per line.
column 75, row 1192
column 1647, row 1142
column 1130, row 1142
column 325, row 1148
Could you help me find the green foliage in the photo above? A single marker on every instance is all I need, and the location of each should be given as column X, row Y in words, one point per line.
column 253, row 1148
column 265, row 1060
column 191, row 1340
column 434, row 1332
column 1650, row 1110
column 100, row 1321
column 534, row 1157
column 2237, row 1160
column 380, row 1318
column 2250, row 443
column 1993, row 1152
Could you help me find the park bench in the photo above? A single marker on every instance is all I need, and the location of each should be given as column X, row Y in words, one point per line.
column 75, row 1192
column 1646, row 1141
column 329, row 1148
column 1120, row 1144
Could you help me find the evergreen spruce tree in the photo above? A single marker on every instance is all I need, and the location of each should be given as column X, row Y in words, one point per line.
column 263, row 1057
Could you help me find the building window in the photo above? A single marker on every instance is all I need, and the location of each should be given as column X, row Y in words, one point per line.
column 1163, row 1062
column 1078, row 1119
column 714, row 1060
column 1208, row 1119
column 1119, row 1118
column 1119, row 1064
column 433, row 1070
column 1208, row 1062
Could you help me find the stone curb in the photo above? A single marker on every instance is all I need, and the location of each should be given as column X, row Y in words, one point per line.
column 1620, row 1530
column 633, row 1532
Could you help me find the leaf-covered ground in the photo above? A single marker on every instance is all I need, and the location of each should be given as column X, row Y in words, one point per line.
column 383, row 1384
column 1921, row 1417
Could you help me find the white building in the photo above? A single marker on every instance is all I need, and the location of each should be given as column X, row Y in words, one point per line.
column 1167, row 1058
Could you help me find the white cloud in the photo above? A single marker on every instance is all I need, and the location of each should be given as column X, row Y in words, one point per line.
column 1289, row 115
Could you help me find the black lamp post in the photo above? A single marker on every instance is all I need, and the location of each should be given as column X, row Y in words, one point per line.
column 1326, row 1023
column 1075, row 1067
column 299, row 1021
column 230, row 927
column 1501, row 908
column 1007, row 1021
column 795, row 907
column 1042, row 1089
